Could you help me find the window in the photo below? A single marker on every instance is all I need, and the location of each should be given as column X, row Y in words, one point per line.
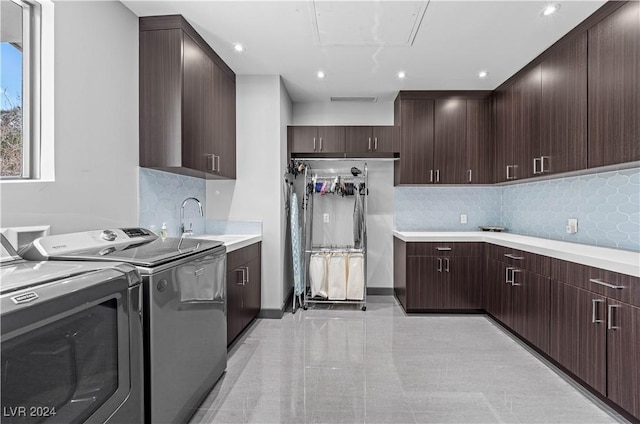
column 19, row 89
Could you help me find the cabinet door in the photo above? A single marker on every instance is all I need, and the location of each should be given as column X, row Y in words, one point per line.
column 578, row 335
column 424, row 275
column 530, row 307
column 503, row 124
column 234, row 304
column 160, row 95
column 251, row 292
column 224, row 123
column 386, row 139
column 479, row 143
column 498, row 293
column 416, row 146
column 359, row 139
column 465, row 283
column 563, row 140
column 526, row 130
column 450, row 156
column 303, row 139
column 331, row 140
column 198, row 101
column 614, row 88
column 623, row 356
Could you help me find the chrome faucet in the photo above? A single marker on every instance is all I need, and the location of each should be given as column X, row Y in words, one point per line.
column 183, row 231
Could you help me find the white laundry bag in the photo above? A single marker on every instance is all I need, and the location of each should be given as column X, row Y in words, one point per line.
column 318, row 275
column 337, row 277
column 355, row 277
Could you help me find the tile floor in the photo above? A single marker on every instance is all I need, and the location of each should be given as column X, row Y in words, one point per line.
column 342, row 365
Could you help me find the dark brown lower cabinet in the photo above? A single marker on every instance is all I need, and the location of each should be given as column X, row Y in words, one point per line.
column 442, row 282
column 623, row 355
column 497, row 293
column 530, row 307
column 243, row 289
column 578, row 333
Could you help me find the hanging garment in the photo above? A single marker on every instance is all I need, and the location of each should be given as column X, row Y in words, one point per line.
column 296, row 246
column 337, row 277
column 355, row 277
column 318, row 275
column 358, row 222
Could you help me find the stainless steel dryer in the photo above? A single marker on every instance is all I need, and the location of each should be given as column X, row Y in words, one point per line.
column 71, row 341
column 184, row 285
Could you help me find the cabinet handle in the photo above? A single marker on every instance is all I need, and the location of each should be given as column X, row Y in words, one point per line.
column 535, row 168
column 469, row 172
column 602, row 283
column 431, row 175
column 437, row 175
column 375, row 144
column 508, row 168
column 513, row 277
column 508, row 278
column 542, row 158
column 320, row 143
column 369, row 143
column 212, row 166
column 217, row 158
column 446, row 262
column 594, row 318
column 314, row 144
column 439, row 264
column 443, row 249
column 511, row 256
column 247, row 280
column 610, row 325
column 241, row 270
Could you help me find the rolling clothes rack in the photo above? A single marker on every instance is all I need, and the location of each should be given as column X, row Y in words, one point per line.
column 340, row 186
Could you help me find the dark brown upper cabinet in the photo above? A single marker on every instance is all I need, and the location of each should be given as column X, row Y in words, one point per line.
column 445, row 138
column 503, row 133
column 449, row 153
column 614, row 87
column 526, row 97
column 372, row 139
column 563, row 138
column 187, row 102
column 416, row 142
column 307, row 139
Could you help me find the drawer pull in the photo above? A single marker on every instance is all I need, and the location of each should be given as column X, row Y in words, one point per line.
column 511, row 256
column 443, row 249
column 608, row 285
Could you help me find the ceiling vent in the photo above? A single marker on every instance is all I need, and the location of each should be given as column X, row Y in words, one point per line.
column 367, row 23
column 354, row 99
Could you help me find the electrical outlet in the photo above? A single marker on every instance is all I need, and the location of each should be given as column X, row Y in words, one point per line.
column 325, row 218
column 572, row 226
column 463, row 218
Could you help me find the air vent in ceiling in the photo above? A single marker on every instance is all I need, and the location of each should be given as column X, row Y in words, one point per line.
column 354, row 99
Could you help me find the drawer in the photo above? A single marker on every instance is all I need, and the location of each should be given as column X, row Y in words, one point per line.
column 445, row 249
column 532, row 262
column 614, row 285
column 242, row 256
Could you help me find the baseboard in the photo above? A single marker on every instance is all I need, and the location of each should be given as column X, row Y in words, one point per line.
column 380, row 291
column 276, row 313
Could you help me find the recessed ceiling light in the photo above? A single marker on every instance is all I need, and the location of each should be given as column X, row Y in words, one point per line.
column 483, row 74
column 320, row 74
column 402, row 75
column 238, row 47
column 550, row 9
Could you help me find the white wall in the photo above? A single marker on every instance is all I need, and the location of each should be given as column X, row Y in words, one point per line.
column 343, row 113
column 263, row 112
column 96, row 126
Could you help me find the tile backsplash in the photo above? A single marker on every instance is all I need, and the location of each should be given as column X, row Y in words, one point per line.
column 439, row 208
column 607, row 206
column 162, row 194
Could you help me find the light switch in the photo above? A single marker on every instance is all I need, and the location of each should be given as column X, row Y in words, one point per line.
column 325, row 218
column 463, row 218
column 572, row 226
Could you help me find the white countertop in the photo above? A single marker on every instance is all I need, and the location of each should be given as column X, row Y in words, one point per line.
column 232, row 241
column 622, row 261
